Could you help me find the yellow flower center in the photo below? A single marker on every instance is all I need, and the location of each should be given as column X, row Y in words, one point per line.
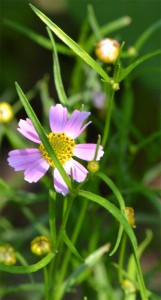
column 62, row 145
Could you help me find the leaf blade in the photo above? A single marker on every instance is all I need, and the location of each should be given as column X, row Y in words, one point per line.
column 71, row 44
column 136, row 63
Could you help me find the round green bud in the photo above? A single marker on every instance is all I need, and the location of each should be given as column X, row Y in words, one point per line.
column 93, row 166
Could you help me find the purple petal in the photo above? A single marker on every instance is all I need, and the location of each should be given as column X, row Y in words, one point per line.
column 78, row 171
column 58, row 117
column 27, row 129
column 59, row 184
column 74, row 128
column 36, row 170
column 23, row 158
column 87, row 151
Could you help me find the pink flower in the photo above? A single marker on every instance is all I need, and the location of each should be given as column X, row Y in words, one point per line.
column 64, row 131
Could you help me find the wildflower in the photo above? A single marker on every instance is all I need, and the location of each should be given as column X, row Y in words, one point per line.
column 36, row 162
column 129, row 211
column 107, row 50
column 41, row 245
column 6, row 112
column 7, row 255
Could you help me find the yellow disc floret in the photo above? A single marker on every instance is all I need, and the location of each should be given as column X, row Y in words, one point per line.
column 62, row 145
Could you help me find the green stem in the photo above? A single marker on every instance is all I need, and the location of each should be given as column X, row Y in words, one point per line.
column 108, row 117
column 58, row 245
column 65, row 219
column 46, row 281
column 68, row 253
column 52, row 218
column 121, row 258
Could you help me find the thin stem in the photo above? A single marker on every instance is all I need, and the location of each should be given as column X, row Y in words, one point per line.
column 121, row 257
column 46, row 281
column 59, row 242
column 108, row 117
column 52, row 218
column 65, row 219
column 73, row 240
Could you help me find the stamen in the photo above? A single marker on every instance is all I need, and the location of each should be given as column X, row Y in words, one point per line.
column 62, row 145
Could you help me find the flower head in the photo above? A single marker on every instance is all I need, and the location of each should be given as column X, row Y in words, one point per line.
column 36, row 161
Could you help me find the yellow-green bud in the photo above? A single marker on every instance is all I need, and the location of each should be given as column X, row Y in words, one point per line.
column 107, row 50
column 93, row 166
column 7, row 255
column 115, row 85
column 41, row 245
column 128, row 287
column 132, row 51
column 129, row 211
column 6, row 112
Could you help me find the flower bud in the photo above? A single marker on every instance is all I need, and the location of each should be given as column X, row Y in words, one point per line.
column 132, row 51
column 107, row 50
column 41, row 245
column 6, row 112
column 93, row 166
column 7, row 255
column 115, row 85
column 128, row 287
column 129, row 211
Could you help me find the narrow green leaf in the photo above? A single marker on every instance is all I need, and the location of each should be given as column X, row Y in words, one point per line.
column 37, row 38
column 72, row 248
column 107, row 29
column 146, row 35
column 114, row 189
column 28, row 269
column 90, row 261
column 121, row 219
column 118, row 240
column 93, row 22
column 57, row 74
column 42, row 134
column 131, row 269
column 112, row 210
column 136, row 63
column 71, row 44
column 26, row 287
